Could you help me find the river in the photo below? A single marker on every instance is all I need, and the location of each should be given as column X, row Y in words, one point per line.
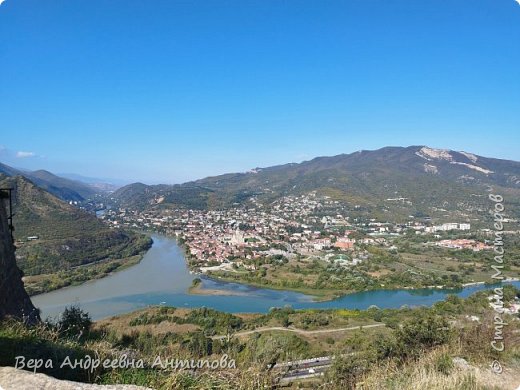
column 162, row 277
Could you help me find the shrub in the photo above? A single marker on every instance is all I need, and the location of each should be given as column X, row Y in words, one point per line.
column 421, row 333
column 74, row 322
column 346, row 371
column 385, row 347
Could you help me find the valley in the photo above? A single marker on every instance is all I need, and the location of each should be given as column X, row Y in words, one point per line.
column 309, row 283
column 59, row 244
column 310, row 238
column 326, row 227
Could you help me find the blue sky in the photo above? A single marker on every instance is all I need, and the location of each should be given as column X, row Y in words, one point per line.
column 168, row 91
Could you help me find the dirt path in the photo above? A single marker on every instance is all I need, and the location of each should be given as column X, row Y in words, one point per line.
column 299, row 331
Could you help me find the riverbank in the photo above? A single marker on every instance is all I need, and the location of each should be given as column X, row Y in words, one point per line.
column 282, row 279
column 318, row 295
column 326, row 295
column 197, row 288
column 44, row 283
column 162, row 277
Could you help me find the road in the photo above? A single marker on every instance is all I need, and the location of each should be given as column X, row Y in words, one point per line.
column 302, row 369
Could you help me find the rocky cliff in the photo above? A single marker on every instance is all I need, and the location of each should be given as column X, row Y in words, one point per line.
column 14, row 300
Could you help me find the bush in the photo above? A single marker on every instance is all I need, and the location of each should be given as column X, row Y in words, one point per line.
column 74, row 322
column 346, row 371
column 385, row 347
column 421, row 333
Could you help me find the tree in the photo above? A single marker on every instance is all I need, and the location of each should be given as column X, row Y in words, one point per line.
column 199, row 345
column 285, row 321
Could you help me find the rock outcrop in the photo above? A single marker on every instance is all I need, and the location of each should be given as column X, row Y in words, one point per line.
column 14, row 300
column 14, row 379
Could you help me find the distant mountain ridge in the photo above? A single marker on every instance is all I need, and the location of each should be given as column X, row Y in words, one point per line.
column 66, row 235
column 64, row 188
column 431, row 180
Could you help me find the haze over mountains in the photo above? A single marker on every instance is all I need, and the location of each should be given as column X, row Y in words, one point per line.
column 64, row 188
column 103, row 184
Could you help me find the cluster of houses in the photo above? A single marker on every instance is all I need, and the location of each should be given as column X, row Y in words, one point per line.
column 305, row 225
column 289, row 226
column 445, row 227
column 460, row 243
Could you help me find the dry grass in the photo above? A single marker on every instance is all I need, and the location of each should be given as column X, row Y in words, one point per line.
column 251, row 379
column 425, row 374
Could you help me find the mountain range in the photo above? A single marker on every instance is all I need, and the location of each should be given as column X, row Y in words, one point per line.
column 388, row 183
column 62, row 187
column 392, row 182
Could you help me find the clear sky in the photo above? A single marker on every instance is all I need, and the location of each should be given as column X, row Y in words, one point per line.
column 168, row 91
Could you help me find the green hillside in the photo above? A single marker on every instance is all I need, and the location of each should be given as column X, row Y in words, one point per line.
column 67, row 237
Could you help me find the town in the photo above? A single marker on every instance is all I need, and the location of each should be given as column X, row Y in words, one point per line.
column 295, row 231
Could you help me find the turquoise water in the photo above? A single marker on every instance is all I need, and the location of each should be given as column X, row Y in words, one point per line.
column 163, row 278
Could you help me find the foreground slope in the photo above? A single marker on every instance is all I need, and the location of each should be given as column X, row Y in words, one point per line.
column 446, row 346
